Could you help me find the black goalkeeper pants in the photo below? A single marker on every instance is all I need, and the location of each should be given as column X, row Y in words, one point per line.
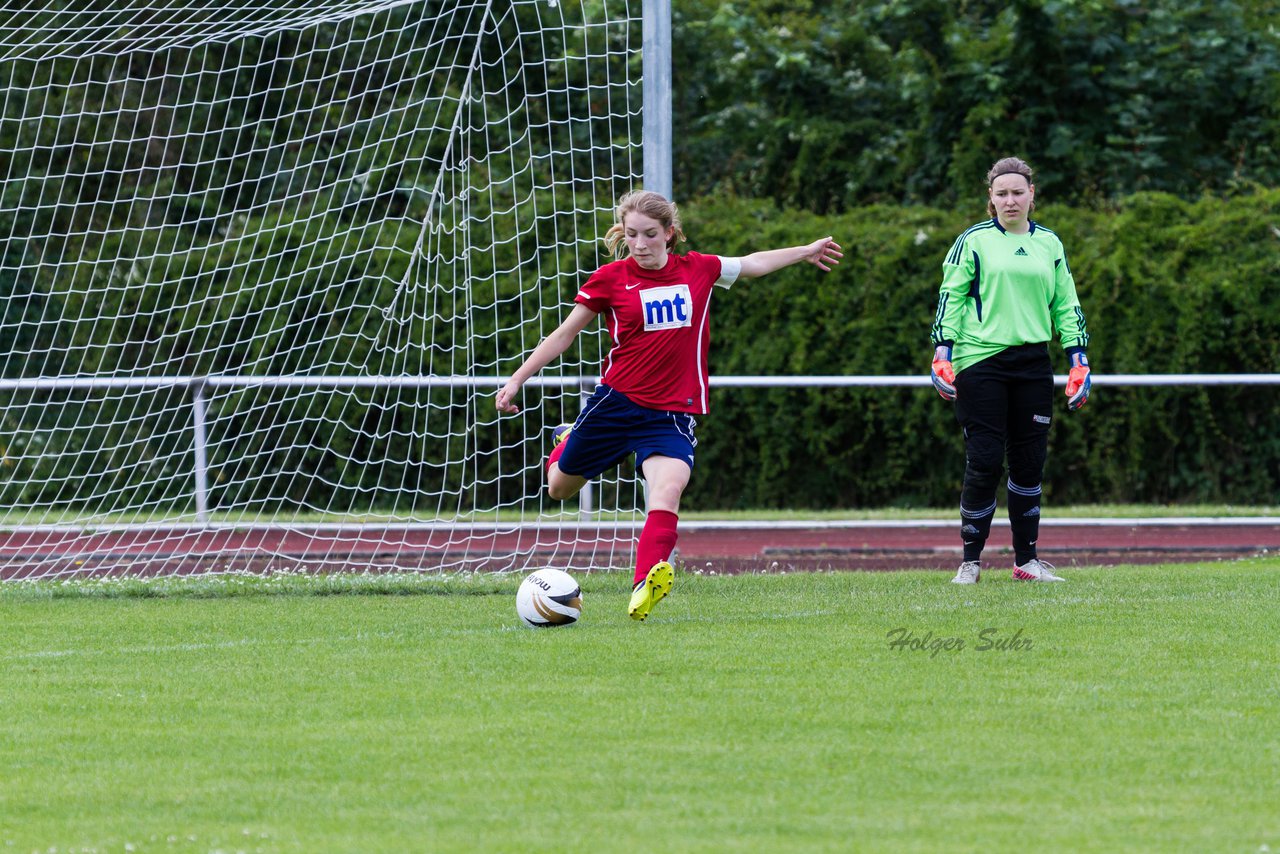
column 1004, row 405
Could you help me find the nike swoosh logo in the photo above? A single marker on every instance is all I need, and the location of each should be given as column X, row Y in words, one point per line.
column 633, row 287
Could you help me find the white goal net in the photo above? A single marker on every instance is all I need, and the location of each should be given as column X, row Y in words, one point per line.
column 262, row 265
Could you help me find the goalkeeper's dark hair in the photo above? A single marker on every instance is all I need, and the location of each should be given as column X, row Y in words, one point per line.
column 1008, row 166
column 651, row 204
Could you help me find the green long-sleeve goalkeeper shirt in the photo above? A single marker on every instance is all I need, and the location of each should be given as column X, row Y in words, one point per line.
column 1000, row 290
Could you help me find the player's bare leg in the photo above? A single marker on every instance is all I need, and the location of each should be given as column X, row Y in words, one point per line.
column 561, row 486
column 667, row 478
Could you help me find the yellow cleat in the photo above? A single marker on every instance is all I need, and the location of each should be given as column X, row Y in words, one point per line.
column 656, row 584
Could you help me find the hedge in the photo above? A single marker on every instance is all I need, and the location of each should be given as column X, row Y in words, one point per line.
column 1168, row 286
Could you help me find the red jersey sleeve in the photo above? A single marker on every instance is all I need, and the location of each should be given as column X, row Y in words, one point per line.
column 597, row 292
column 707, row 265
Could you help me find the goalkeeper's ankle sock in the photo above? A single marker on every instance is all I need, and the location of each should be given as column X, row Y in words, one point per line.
column 1024, row 520
column 657, row 540
column 975, row 527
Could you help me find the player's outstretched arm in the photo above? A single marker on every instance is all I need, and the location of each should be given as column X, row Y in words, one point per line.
column 823, row 253
column 549, row 349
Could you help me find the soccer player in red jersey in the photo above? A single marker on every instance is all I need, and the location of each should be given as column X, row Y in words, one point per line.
column 657, row 305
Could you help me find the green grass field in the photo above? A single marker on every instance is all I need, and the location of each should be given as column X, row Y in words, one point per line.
column 1134, row 708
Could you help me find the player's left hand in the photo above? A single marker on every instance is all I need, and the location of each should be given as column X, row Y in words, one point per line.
column 824, row 254
column 1078, row 381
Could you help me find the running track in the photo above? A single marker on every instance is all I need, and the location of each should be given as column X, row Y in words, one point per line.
column 705, row 546
column 935, row 544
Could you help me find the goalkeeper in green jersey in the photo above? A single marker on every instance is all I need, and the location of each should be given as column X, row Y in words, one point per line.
column 1006, row 288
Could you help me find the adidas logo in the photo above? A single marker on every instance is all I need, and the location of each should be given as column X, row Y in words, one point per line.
column 1020, row 251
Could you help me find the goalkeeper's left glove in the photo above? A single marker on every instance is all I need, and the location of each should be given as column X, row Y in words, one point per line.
column 1078, row 380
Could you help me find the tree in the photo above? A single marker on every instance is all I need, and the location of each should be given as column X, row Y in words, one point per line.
column 832, row 105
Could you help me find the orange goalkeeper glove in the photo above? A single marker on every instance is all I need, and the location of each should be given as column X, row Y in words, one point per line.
column 944, row 377
column 1078, row 381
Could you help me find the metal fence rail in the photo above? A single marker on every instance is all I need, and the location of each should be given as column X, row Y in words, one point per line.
column 797, row 381
column 585, row 384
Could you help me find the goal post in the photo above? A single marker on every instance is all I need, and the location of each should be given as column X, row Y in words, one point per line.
column 261, row 263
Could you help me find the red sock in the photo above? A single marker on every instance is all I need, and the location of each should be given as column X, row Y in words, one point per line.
column 555, row 454
column 657, row 540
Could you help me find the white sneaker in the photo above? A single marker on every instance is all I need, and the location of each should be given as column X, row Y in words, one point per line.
column 968, row 573
column 1035, row 570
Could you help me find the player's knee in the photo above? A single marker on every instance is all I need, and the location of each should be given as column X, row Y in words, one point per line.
column 981, row 482
column 561, row 487
column 666, row 496
column 562, row 491
column 983, row 466
column 1026, row 478
column 1027, row 458
column 1027, row 470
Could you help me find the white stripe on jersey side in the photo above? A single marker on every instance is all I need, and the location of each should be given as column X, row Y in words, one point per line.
column 608, row 357
column 697, row 354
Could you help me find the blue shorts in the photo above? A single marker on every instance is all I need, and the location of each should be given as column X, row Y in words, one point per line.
column 611, row 426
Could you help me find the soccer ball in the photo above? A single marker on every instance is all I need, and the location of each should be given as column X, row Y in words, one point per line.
column 549, row 598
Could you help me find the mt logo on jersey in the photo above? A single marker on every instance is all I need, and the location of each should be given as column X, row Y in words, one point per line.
column 666, row 308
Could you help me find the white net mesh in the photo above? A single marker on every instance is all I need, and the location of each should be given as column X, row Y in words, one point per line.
column 263, row 266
